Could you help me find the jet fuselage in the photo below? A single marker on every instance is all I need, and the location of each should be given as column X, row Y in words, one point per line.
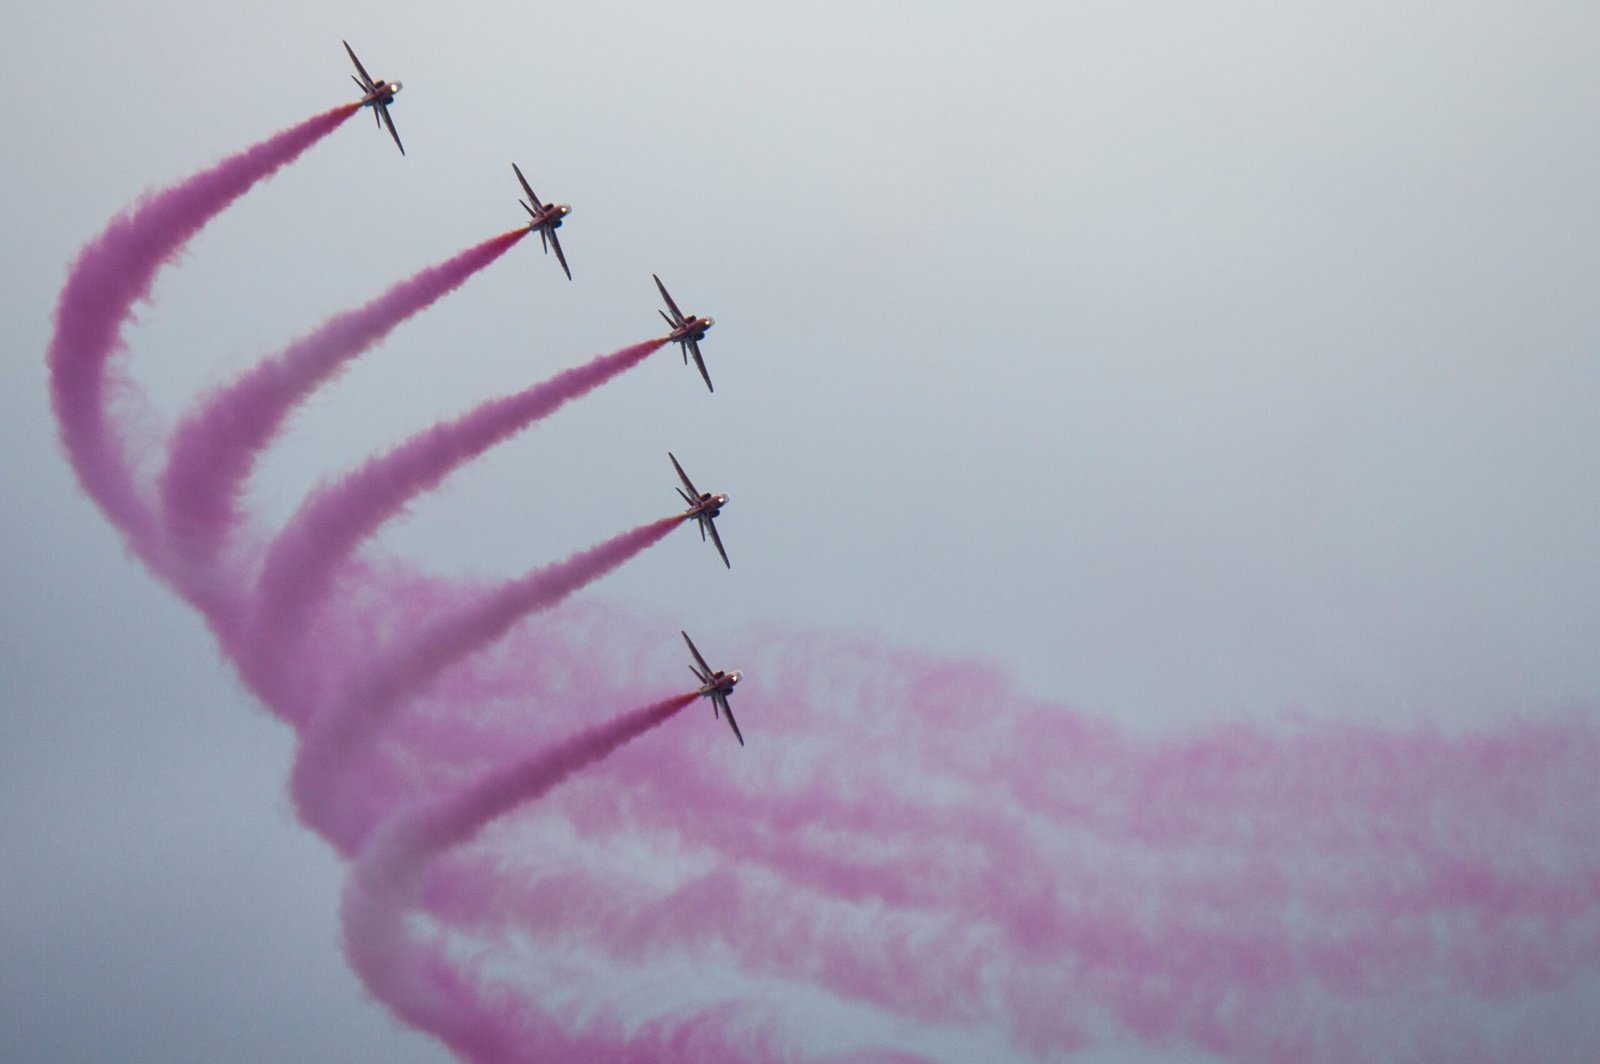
column 708, row 505
column 383, row 93
column 550, row 217
column 693, row 328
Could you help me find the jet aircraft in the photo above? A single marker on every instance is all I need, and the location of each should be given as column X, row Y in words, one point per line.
column 545, row 219
column 687, row 331
column 716, row 686
column 377, row 95
column 703, row 507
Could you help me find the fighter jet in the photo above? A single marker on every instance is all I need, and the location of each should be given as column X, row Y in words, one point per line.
column 716, row 686
column 703, row 507
column 377, row 95
column 686, row 331
column 544, row 218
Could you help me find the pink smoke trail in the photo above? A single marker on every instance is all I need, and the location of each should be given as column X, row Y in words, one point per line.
column 336, row 518
column 327, row 788
column 421, row 986
column 391, row 859
column 112, row 274
column 215, row 448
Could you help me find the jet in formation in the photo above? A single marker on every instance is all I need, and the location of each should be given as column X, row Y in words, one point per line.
column 716, row 686
column 687, row 332
column 544, row 218
column 377, row 95
column 703, row 507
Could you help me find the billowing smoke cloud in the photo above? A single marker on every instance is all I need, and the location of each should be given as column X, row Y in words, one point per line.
column 911, row 860
column 917, row 835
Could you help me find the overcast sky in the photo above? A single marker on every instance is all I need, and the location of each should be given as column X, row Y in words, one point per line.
column 1191, row 363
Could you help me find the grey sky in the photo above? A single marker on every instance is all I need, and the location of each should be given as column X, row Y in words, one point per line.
column 1190, row 363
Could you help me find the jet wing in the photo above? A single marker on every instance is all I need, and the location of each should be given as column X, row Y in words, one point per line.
column 723, row 699
column 366, row 79
column 537, row 202
column 696, row 654
column 677, row 315
column 555, row 242
column 383, row 109
column 711, row 526
column 694, row 349
column 693, row 494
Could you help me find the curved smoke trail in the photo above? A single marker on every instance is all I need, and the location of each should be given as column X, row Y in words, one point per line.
column 408, row 975
column 338, row 517
column 215, row 447
column 113, row 274
column 909, row 853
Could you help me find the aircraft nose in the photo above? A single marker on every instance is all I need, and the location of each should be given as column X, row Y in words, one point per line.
column 395, row 86
column 737, row 676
